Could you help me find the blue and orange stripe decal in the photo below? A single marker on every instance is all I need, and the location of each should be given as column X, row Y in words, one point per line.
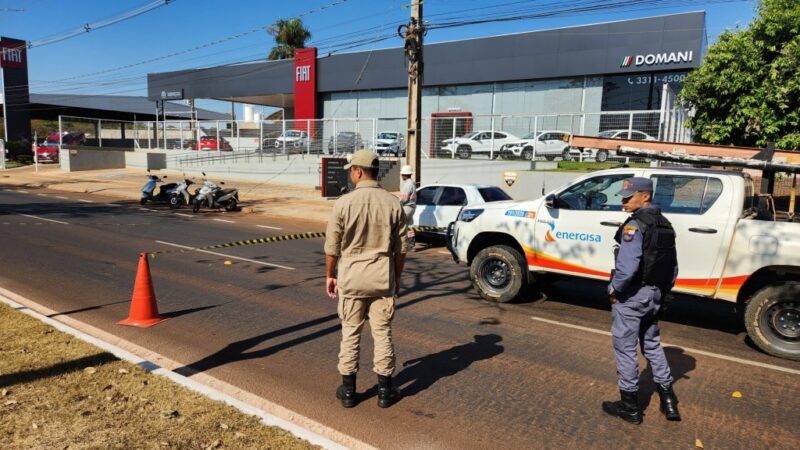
column 728, row 286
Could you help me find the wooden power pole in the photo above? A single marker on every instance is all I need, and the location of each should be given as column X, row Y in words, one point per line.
column 414, row 32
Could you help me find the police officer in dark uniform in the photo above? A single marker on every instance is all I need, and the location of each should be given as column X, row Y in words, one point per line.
column 646, row 267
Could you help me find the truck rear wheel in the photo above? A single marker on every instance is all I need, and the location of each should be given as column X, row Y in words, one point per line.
column 772, row 319
column 499, row 273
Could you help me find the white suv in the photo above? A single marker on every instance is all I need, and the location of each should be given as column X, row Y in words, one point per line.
column 482, row 142
column 390, row 143
column 292, row 138
column 540, row 143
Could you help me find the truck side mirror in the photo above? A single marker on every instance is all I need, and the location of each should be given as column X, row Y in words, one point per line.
column 550, row 201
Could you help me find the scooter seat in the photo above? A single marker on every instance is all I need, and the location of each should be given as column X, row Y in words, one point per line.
column 227, row 191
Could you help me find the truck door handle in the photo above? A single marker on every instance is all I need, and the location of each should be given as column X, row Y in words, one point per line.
column 611, row 224
column 705, row 230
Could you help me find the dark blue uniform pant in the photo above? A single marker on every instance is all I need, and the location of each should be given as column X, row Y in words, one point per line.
column 634, row 320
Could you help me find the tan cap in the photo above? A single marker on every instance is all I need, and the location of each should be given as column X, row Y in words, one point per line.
column 363, row 158
column 406, row 170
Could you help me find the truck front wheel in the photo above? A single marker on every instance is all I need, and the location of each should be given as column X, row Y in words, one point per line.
column 772, row 318
column 499, row 273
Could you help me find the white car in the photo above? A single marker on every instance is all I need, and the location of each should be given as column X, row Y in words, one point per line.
column 390, row 143
column 439, row 204
column 292, row 139
column 603, row 155
column 542, row 143
column 480, row 142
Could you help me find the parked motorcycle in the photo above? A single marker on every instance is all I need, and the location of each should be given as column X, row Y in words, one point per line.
column 148, row 190
column 181, row 196
column 215, row 197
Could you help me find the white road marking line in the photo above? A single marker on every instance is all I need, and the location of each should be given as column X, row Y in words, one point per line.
column 183, row 215
column 223, row 220
column 85, row 201
column 186, row 247
column 148, row 209
column 42, row 218
column 22, row 191
column 443, row 252
column 8, row 190
column 112, row 204
column 62, row 198
column 269, row 227
column 686, row 349
column 42, row 195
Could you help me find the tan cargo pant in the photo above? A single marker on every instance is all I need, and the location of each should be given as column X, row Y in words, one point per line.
column 353, row 313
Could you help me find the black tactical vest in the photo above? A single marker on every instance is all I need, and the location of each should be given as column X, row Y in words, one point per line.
column 659, row 258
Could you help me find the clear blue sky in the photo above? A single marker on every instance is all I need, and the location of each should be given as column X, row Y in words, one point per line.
column 184, row 24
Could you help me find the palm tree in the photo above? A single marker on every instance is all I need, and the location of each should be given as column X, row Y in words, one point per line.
column 289, row 35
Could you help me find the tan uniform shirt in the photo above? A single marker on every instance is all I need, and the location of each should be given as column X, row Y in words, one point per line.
column 366, row 229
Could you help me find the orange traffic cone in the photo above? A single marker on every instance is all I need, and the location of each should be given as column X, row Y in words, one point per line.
column 144, row 311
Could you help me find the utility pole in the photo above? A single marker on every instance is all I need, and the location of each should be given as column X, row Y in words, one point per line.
column 412, row 38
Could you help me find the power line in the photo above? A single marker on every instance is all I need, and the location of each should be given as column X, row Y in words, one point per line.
column 101, row 24
column 239, row 60
column 339, row 43
column 555, row 9
column 198, row 47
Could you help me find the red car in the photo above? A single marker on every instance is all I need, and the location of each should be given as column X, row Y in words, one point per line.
column 210, row 143
column 47, row 151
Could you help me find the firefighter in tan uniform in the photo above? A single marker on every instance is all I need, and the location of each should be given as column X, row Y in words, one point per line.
column 366, row 242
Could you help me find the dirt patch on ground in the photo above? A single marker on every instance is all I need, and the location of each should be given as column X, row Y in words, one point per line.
column 57, row 392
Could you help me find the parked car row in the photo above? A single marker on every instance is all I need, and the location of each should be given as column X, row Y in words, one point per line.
column 207, row 143
column 387, row 143
column 549, row 143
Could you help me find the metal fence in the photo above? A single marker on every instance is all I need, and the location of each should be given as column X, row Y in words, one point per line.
column 535, row 137
column 444, row 135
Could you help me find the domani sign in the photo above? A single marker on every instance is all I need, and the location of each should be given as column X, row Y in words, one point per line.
column 656, row 59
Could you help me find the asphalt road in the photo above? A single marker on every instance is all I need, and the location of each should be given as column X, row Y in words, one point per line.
column 474, row 374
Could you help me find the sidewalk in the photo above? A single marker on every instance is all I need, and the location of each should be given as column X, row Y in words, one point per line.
column 268, row 198
column 56, row 387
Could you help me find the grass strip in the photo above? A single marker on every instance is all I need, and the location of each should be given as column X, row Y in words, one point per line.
column 590, row 166
column 58, row 392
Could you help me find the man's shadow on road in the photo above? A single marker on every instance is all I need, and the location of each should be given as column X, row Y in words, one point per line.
column 419, row 374
column 680, row 365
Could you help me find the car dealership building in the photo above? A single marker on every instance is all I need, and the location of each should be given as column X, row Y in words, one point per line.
column 592, row 69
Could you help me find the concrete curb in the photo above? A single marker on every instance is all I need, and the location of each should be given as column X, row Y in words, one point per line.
column 270, row 413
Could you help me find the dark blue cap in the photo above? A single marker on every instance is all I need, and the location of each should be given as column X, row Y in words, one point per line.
column 635, row 184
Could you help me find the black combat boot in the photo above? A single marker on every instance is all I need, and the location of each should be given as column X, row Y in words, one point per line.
column 347, row 391
column 669, row 402
column 387, row 395
column 627, row 408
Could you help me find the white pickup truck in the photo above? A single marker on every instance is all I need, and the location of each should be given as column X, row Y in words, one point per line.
column 726, row 248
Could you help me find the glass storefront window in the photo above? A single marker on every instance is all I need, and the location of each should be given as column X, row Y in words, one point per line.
column 639, row 91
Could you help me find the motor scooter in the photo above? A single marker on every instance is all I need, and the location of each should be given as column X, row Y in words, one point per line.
column 215, row 197
column 181, row 196
column 148, row 190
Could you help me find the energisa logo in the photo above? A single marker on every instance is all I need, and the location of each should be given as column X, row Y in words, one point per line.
column 657, row 59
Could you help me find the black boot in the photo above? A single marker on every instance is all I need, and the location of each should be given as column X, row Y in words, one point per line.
column 627, row 408
column 347, row 391
column 669, row 402
column 387, row 395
